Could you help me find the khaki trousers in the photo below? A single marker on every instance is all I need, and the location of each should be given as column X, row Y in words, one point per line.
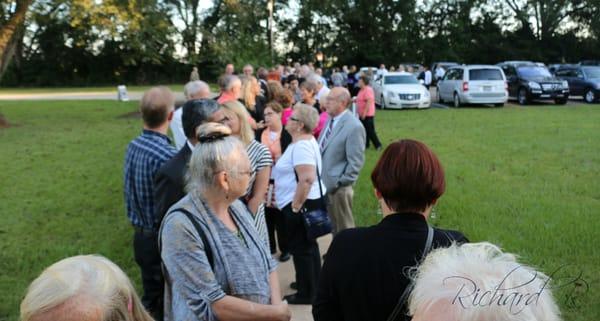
column 339, row 207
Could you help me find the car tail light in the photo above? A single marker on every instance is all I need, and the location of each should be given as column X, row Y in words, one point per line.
column 465, row 86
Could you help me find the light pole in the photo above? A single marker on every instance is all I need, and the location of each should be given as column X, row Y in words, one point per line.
column 270, row 8
column 319, row 57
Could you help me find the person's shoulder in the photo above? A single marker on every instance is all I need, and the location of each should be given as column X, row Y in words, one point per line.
column 444, row 237
column 351, row 237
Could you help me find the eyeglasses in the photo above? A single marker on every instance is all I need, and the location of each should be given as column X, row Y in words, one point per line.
column 248, row 172
column 294, row 119
column 269, row 114
column 223, row 120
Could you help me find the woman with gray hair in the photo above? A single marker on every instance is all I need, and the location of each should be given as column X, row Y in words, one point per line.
column 216, row 266
column 297, row 187
column 82, row 288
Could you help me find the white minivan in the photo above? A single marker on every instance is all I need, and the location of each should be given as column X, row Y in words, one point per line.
column 473, row 84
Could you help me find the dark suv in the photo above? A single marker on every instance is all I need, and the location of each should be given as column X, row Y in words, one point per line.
column 528, row 81
column 583, row 81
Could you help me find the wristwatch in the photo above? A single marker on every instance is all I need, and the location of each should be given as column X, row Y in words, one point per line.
column 295, row 210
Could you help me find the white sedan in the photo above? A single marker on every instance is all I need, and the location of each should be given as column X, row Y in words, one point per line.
column 400, row 90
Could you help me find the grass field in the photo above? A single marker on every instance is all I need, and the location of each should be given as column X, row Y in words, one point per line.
column 524, row 178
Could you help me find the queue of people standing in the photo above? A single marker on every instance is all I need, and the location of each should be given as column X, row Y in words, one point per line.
column 209, row 216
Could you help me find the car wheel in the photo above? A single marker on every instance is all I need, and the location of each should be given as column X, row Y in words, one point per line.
column 589, row 96
column 456, row 100
column 560, row 101
column 499, row 105
column 382, row 103
column 439, row 97
column 522, row 97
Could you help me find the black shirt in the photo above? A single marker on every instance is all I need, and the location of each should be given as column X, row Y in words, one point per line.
column 364, row 273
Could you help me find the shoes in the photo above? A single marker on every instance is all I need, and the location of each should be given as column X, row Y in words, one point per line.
column 294, row 285
column 295, row 299
column 285, row 256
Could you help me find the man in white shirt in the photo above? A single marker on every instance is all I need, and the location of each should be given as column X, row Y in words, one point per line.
column 439, row 72
column 427, row 77
column 381, row 71
column 322, row 89
column 193, row 90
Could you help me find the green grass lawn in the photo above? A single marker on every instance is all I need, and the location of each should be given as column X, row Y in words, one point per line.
column 103, row 89
column 524, row 178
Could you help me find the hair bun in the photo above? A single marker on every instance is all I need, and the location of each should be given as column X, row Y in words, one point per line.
column 211, row 132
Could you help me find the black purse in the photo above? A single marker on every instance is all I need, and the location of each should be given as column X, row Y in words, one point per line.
column 316, row 220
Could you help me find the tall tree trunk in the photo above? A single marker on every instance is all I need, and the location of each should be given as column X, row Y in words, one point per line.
column 7, row 33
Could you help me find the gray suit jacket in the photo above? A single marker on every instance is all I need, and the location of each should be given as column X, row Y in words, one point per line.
column 343, row 153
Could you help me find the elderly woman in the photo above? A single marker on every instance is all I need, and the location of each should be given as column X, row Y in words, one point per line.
column 252, row 100
column 277, row 139
column 296, row 187
column 216, row 266
column 309, row 90
column 85, row 287
column 408, row 181
column 260, row 162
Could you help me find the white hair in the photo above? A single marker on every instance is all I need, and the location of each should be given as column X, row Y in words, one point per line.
column 85, row 287
column 478, row 282
column 195, row 87
column 210, row 158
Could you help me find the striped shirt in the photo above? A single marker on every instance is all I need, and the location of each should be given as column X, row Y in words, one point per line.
column 145, row 155
column 260, row 157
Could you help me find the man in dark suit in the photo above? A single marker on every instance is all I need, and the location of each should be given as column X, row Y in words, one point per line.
column 169, row 181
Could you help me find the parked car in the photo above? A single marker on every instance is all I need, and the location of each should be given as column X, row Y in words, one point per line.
column 400, row 90
column 473, row 84
column 583, row 81
column 590, row 62
column 445, row 65
column 527, row 81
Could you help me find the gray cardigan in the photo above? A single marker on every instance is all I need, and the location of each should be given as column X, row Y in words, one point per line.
column 241, row 268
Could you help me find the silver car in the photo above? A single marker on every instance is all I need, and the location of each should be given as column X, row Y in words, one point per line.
column 473, row 84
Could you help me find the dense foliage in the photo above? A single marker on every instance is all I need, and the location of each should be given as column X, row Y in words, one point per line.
column 85, row 42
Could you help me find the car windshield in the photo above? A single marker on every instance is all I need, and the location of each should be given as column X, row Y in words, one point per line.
column 534, row 71
column 592, row 72
column 394, row 80
column 485, row 74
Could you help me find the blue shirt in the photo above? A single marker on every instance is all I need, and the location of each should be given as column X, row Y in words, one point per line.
column 145, row 155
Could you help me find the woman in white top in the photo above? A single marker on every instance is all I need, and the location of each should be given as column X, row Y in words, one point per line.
column 297, row 187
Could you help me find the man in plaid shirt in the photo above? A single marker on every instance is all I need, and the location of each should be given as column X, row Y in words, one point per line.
column 145, row 155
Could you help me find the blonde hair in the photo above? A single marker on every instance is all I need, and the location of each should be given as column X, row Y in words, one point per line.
column 85, row 287
column 246, row 134
column 307, row 115
column 248, row 94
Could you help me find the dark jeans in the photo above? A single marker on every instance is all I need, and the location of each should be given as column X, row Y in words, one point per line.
column 147, row 256
column 305, row 252
column 276, row 222
column 369, row 124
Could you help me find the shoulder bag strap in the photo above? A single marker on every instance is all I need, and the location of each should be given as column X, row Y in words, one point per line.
column 207, row 249
column 407, row 290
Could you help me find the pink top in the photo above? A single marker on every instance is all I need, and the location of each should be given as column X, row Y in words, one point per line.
column 226, row 97
column 322, row 121
column 366, row 93
column 285, row 114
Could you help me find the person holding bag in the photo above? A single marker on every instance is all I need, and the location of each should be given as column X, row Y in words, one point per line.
column 300, row 190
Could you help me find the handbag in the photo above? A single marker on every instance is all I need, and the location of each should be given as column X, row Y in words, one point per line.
column 316, row 221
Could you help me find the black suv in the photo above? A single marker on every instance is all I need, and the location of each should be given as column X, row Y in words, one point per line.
column 583, row 81
column 529, row 81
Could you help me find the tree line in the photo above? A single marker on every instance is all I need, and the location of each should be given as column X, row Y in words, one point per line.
column 88, row 42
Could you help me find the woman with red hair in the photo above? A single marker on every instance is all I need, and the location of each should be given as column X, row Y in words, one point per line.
column 363, row 275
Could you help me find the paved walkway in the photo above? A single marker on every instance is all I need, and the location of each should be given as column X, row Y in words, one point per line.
column 286, row 276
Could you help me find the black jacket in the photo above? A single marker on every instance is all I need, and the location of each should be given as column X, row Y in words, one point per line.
column 363, row 275
column 169, row 181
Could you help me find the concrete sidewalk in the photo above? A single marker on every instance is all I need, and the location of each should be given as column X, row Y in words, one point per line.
column 287, row 275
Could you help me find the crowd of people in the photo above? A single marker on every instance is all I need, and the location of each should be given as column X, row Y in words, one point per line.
column 213, row 214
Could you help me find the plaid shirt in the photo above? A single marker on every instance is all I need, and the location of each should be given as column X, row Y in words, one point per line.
column 145, row 155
